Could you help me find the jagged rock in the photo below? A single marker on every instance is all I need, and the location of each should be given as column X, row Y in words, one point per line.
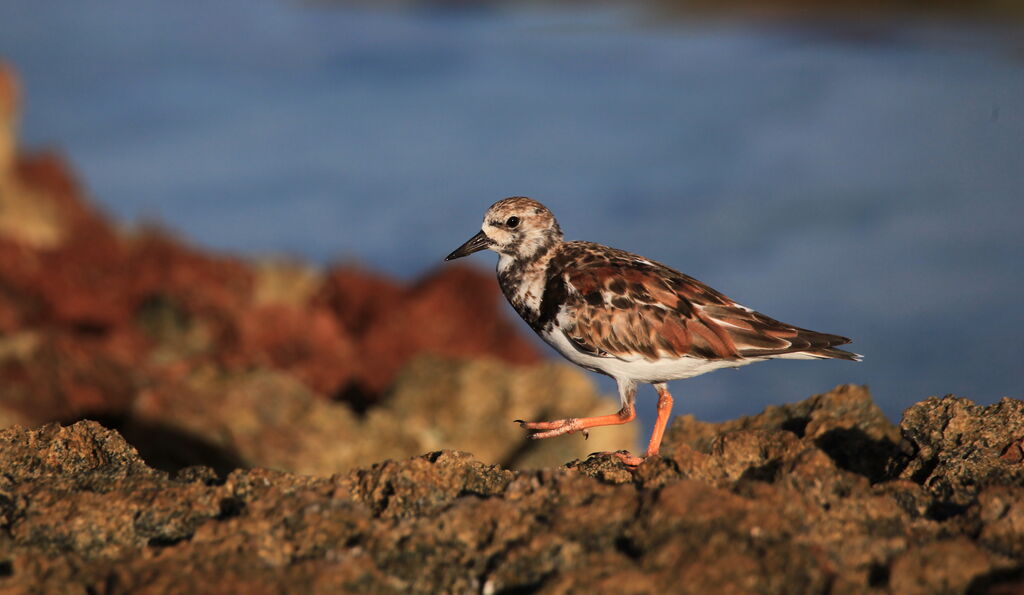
column 960, row 448
column 844, row 422
column 774, row 512
column 75, row 451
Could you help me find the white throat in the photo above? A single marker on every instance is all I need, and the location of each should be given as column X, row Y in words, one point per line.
column 504, row 261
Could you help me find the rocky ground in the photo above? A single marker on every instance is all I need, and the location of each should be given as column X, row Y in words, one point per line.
column 178, row 421
column 824, row 495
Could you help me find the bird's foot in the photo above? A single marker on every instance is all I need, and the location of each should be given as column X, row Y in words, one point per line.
column 628, row 459
column 550, row 429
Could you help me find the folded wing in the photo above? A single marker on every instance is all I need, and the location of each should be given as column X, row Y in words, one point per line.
column 621, row 305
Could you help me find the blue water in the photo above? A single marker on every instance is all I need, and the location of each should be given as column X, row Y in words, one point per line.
column 867, row 184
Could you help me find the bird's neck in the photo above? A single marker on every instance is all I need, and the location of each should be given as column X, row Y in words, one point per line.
column 527, row 253
column 522, row 277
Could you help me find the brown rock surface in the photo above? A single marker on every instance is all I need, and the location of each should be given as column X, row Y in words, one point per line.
column 844, row 423
column 961, row 448
column 746, row 508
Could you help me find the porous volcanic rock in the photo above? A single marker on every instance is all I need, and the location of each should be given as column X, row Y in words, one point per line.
column 961, row 448
column 844, row 423
column 740, row 507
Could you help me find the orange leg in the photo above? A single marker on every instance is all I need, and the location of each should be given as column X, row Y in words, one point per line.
column 664, row 411
column 627, row 391
column 550, row 429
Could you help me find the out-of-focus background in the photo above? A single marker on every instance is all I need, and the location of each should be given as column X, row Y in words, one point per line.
column 852, row 169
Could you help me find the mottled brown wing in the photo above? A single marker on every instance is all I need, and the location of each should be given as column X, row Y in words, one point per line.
column 757, row 335
column 624, row 306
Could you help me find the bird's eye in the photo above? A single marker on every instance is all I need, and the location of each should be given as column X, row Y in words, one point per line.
column 512, row 222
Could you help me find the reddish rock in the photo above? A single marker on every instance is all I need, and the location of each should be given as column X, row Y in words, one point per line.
column 452, row 312
column 116, row 311
column 109, row 312
column 307, row 342
column 58, row 377
column 46, row 176
column 359, row 298
column 81, row 299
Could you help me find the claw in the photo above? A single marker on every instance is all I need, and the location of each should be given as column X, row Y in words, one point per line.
column 586, row 435
column 627, row 458
column 518, row 421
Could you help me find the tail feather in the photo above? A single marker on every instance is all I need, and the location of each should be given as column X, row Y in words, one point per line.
column 753, row 334
column 833, row 353
column 809, row 344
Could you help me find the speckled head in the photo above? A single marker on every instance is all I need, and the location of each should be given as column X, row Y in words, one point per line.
column 518, row 227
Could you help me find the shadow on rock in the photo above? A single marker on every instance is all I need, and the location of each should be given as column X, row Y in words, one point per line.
column 168, row 448
column 855, row 450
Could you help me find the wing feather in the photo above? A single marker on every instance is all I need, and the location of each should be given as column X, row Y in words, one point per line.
column 621, row 305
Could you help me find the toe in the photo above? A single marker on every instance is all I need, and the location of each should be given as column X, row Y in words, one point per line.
column 628, row 459
column 545, row 426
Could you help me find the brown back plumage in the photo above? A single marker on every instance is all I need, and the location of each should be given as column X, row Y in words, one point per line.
column 620, row 304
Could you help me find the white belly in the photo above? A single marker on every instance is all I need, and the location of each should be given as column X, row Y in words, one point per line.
column 640, row 369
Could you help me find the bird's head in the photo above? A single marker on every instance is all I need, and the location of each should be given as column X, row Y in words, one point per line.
column 518, row 227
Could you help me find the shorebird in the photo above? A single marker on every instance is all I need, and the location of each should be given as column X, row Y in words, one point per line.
column 626, row 316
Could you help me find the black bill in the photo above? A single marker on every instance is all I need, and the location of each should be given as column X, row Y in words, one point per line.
column 475, row 244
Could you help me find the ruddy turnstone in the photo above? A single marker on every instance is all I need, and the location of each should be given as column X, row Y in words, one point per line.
column 626, row 316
